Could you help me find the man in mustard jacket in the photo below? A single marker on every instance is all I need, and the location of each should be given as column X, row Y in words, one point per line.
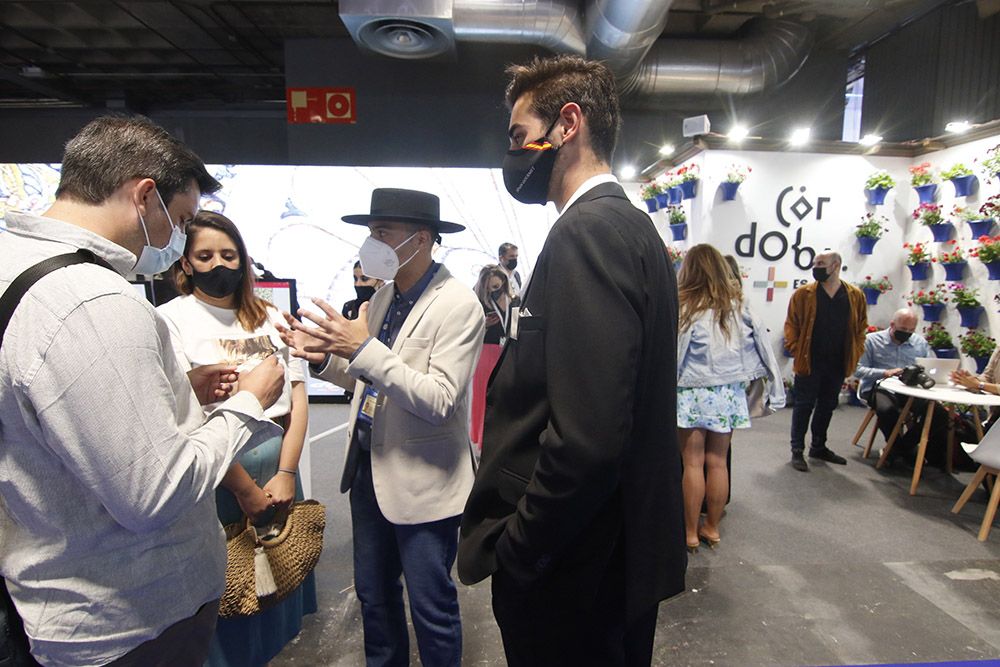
column 837, row 312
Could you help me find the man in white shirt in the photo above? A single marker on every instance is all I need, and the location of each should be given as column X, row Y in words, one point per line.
column 111, row 549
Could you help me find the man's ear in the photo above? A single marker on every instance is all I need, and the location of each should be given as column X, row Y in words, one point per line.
column 571, row 116
column 141, row 191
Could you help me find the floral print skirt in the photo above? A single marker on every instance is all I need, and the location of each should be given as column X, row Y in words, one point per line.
column 720, row 409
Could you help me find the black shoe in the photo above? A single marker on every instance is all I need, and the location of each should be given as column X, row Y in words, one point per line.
column 824, row 454
column 799, row 462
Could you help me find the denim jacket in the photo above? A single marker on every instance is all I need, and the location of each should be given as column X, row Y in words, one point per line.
column 705, row 357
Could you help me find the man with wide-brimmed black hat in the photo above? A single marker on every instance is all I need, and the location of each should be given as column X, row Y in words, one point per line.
column 409, row 358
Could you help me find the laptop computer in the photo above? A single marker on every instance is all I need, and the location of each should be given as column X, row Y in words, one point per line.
column 938, row 369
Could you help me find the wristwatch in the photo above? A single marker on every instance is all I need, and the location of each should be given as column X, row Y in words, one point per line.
column 982, row 387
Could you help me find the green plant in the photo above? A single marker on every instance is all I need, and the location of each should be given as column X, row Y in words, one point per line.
column 938, row 337
column 881, row 284
column 677, row 215
column 872, row 226
column 965, row 297
column 988, row 249
column 917, row 253
column 651, row 189
column 928, row 297
column 928, row 214
column 991, row 163
column 966, row 214
column 952, row 256
column 675, row 254
column 922, row 175
column 737, row 173
column 977, row 344
column 880, row 179
column 955, row 171
column 688, row 172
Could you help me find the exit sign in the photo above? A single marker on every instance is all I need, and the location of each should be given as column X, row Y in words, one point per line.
column 320, row 105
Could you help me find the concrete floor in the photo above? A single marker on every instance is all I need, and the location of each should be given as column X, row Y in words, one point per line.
column 837, row 566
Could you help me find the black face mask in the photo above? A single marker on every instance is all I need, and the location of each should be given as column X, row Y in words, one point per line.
column 219, row 283
column 510, row 264
column 364, row 292
column 497, row 293
column 528, row 170
column 820, row 273
column 902, row 336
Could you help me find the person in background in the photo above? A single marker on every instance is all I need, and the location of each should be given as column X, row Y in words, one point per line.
column 111, row 550
column 987, row 382
column 721, row 348
column 825, row 332
column 220, row 320
column 493, row 291
column 507, row 256
column 364, row 289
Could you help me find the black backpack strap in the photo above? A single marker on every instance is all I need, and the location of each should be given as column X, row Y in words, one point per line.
column 20, row 285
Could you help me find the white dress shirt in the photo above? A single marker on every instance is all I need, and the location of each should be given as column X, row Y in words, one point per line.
column 108, row 466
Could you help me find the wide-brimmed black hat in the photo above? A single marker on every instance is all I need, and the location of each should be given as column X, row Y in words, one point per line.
column 399, row 205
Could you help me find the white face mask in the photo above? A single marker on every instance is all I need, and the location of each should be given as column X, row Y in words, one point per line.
column 379, row 260
column 157, row 260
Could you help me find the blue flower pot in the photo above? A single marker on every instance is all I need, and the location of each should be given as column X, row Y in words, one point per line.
column 970, row 315
column 954, row 270
column 650, row 204
column 941, row 232
column 876, row 196
column 662, row 200
column 871, row 295
column 920, row 271
column 981, row 227
column 932, row 311
column 676, row 195
column 690, row 189
column 926, row 193
column 981, row 363
column 964, row 185
column 729, row 190
column 866, row 244
column 679, row 231
column 993, row 268
column 946, row 353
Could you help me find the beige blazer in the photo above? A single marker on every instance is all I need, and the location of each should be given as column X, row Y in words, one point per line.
column 422, row 465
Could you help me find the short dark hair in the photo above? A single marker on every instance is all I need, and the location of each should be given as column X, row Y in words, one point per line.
column 504, row 247
column 111, row 150
column 553, row 82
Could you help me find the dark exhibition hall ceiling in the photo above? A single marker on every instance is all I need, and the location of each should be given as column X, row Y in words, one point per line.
column 151, row 54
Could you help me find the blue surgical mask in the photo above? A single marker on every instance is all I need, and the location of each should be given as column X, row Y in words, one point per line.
column 154, row 260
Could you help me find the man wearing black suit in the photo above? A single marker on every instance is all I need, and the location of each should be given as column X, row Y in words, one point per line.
column 576, row 510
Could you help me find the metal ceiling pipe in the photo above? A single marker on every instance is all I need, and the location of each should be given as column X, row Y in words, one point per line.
column 764, row 55
column 621, row 32
column 552, row 24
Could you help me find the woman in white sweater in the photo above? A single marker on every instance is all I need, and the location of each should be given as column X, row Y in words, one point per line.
column 219, row 319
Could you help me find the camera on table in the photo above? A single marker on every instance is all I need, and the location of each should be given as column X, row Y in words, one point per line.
column 914, row 376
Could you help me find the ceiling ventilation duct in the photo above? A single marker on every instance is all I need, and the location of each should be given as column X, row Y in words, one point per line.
column 407, row 29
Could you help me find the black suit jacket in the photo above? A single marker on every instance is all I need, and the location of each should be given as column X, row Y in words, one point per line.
column 580, row 453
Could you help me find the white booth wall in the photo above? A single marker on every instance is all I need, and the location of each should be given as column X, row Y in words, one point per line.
column 796, row 203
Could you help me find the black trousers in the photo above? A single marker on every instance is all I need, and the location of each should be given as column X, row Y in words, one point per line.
column 816, row 396
column 888, row 407
column 544, row 627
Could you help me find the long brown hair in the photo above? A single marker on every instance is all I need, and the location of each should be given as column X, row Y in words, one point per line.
column 482, row 289
column 251, row 310
column 705, row 282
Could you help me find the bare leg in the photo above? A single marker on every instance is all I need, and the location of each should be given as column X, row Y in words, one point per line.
column 717, row 485
column 693, row 456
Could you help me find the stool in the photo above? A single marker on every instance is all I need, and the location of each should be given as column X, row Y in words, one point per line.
column 869, row 416
column 991, row 506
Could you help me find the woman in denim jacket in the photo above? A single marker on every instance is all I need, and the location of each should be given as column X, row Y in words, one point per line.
column 721, row 348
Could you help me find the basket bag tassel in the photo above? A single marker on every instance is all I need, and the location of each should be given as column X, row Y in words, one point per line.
column 263, row 577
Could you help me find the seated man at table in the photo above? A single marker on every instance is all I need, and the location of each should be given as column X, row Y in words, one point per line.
column 886, row 354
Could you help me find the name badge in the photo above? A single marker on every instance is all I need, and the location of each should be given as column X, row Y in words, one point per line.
column 366, row 412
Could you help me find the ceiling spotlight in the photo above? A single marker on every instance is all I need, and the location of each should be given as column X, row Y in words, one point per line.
column 666, row 149
column 627, row 172
column 957, row 126
column 799, row 136
column 738, row 133
column 870, row 139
